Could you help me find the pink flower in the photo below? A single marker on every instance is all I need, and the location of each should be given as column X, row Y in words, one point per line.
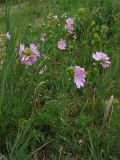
column 69, row 25
column 103, row 57
column 28, row 55
column 69, row 21
column 79, row 76
column 62, row 44
column 8, row 36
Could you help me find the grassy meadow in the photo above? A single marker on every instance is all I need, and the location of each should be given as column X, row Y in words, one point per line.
column 44, row 113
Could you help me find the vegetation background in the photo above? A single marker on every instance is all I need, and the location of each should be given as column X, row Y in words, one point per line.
column 45, row 116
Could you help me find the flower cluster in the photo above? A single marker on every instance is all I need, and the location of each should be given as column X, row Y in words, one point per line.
column 69, row 25
column 30, row 55
column 79, row 73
